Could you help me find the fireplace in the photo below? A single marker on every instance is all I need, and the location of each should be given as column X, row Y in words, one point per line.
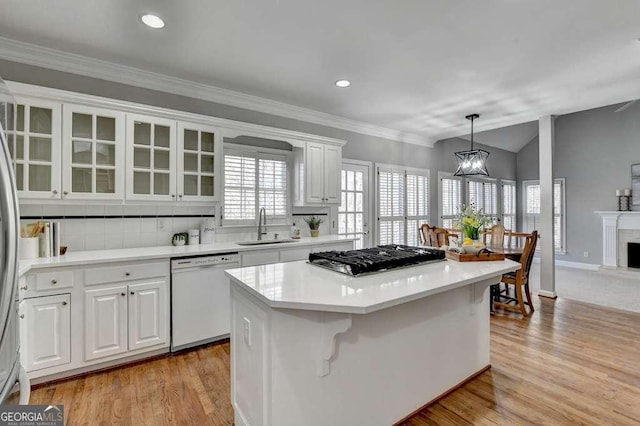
column 633, row 255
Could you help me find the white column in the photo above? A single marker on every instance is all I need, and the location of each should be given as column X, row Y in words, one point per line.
column 547, row 251
column 610, row 239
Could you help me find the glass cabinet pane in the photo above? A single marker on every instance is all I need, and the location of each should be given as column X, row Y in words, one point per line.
column 81, row 180
column 106, row 128
column 206, row 186
column 20, row 177
column 142, row 133
column 161, row 160
column 40, row 120
column 206, row 142
column 20, row 119
column 161, row 183
column 141, row 182
column 191, row 162
column 190, row 185
column 11, row 145
column 39, row 148
column 39, row 178
column 105, row 181
column 190, row 140
column 142, row 158
column 105, row 154
column 206, row 163
column 19, row 147
column 81, row 125
column 161, row 136
column 82, row 152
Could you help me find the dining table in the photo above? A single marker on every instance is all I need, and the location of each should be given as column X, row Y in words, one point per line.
column 513, row 253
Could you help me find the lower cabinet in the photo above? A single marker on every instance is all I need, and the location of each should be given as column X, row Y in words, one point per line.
column 124, row 318
column 45, row 331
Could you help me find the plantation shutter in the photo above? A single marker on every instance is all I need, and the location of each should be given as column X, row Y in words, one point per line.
column 417, row 204
column 450, row 196
column 509, row 205
column 391, row 207
column 239, row 187
column 272, row 185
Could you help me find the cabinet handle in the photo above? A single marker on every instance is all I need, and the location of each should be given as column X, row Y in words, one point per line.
column 55, row 192
column 123, row 294
column 21, row 316
column 23, row 288
column 173, row 195
column 64, row 303
column 180, row 196
column 65, row 192
column 54, row 282
column 133, row 292
column 127, row 274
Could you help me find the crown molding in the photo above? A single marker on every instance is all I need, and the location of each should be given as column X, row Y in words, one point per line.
column 31, row 54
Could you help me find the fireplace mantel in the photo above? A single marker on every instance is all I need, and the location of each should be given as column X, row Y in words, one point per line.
column 612, row 221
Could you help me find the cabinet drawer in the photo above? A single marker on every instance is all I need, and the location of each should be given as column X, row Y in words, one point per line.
column 52, row 280
column 291, row 255
column 262, row 257
column 125, row 272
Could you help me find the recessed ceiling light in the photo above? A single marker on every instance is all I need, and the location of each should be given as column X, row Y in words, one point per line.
column 152, row 21
column 343, row 83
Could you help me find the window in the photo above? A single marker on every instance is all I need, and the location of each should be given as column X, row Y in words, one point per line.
column 509, row 204
column 352, row 214
column 532, row 210
column 403, row 204
column 450, row 200
column 253, row 180
column 483, row 194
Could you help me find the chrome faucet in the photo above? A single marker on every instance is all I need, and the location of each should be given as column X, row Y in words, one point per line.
column 261, row 214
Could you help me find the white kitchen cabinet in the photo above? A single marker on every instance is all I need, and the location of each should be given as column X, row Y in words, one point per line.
column 148, row 314
column 151, row 158
column 34, row 140
column 93, row 153
column 199, row 162
column 45, row 331
column 105, row 322
column 259, row 257
column 317, row 174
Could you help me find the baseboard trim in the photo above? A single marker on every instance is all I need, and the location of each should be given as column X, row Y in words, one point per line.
column 442, row 395
column 547, row 294
column 574, row 265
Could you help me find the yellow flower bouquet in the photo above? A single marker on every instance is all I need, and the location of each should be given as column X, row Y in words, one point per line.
column 472, row 221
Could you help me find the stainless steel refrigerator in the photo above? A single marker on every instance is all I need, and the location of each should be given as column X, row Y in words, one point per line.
column 11, row 373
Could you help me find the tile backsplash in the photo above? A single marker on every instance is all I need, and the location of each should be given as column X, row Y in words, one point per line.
column 95, row 227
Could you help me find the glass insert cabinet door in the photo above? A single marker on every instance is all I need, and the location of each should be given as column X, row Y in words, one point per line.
column 93, row 153
column 198, row 160
column 34, row 139
column 151, row 147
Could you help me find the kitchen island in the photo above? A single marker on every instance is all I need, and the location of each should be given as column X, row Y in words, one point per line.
column 311, row 346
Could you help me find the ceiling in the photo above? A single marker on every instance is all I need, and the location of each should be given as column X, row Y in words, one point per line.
column 512, row 138
column 416, row 66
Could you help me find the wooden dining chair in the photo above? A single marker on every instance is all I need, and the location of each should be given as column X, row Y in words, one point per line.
column 520, row 280
column 439, row 237
column 494, row 236
column 424, row 234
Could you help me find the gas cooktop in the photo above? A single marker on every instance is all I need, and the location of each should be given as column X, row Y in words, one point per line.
column 375, row 259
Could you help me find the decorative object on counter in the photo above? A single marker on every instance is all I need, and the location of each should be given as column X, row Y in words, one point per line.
column 47, row 235
column 314, row 225
column 635, row 184
column 472, row 220
column 194, row 237
column 208, row 231
column 179, row 239
column 624, row 199
column 481, row 256
column 472, row 162
column 295, row 232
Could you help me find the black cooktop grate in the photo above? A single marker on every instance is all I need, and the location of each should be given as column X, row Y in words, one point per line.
column 375, row 259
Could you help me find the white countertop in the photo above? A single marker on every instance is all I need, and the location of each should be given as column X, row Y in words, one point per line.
column 146, row 253
column 299, row 285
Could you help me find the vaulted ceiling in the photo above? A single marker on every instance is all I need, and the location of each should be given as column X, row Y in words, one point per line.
column 416, row 66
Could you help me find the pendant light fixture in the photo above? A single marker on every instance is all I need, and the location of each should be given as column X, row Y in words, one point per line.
column 473, row 161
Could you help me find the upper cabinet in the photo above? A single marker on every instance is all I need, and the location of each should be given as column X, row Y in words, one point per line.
column 33, row 138
column 199, row 156
column 317, row 174
column 151, row 158
column 93, row 146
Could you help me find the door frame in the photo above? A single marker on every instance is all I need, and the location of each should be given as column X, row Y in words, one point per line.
column 372, row 235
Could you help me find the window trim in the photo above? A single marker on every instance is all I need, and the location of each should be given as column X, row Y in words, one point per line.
column 563, row 209
column 257, row 153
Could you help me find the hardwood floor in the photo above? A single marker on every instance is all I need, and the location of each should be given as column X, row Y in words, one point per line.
column 570, row 363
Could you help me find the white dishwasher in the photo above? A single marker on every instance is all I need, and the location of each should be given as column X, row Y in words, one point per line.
column 200, row 299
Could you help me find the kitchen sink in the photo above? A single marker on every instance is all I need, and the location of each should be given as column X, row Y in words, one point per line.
column 260, row 242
